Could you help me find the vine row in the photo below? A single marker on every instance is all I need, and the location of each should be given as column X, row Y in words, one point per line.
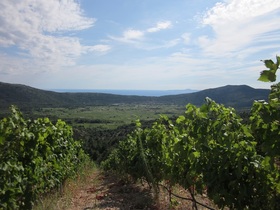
column 212, row 150
column 35, row 157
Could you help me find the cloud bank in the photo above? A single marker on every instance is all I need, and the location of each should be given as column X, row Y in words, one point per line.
column 40, row 31
column 237, row 24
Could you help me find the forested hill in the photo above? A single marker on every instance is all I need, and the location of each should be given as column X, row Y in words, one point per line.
column 237, row 96
column 26, row 97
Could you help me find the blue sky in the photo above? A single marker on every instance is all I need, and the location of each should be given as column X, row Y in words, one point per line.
column 137, row 44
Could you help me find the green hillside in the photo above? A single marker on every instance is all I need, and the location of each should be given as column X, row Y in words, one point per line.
column 25, row 97
column 237, row 96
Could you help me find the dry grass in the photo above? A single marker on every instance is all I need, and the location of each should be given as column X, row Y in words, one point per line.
column 62, row 198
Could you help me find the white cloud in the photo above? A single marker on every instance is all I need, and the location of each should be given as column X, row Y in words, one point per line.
column 239, row 23
column 100, row 48
column 140, row 38
column 239, row 10
column 129, row 36
column 132, row 34
column 37, row 27
column 47, row 16
column 160, row 26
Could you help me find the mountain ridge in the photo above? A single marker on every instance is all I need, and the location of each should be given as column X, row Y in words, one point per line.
column 26, row 97
column 237, row 96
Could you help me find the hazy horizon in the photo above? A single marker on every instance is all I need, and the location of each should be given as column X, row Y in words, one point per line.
column 127, row 91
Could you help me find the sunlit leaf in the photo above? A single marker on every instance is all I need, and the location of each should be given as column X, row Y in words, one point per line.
column 267, row 76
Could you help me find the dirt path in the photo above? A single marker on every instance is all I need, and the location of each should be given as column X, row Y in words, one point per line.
column 108, row 192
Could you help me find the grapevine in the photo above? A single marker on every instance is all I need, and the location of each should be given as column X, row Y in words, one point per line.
column 210, row 149
column 35, row 157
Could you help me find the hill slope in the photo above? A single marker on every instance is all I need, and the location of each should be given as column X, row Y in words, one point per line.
column 29, row 97
column 237, row 96
column 25, row 97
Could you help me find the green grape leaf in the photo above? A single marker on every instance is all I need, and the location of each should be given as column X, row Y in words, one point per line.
column 204, row 108
column 196, row 154
column 180, row 119
column 270, row 75
column 138, row 123
column 269, row 64
column 267, row 76
column 278, row 60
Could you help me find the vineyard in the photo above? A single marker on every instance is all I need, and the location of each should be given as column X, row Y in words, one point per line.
column 35, row 157
column 210, row 150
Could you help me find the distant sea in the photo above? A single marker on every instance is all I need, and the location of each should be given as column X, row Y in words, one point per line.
column 128, row 92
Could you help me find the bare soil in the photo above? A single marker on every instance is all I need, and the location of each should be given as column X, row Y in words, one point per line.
column 108, row 192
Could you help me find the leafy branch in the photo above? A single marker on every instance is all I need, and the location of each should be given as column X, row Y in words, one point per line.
column 270, row 75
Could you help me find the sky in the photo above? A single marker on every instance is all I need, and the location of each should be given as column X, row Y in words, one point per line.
column 137, row 44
